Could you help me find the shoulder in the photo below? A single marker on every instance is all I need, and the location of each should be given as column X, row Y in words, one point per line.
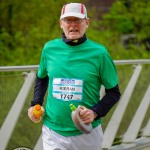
column 52, row 43
column 101, row 48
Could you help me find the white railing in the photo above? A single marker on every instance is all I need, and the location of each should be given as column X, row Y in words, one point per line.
column 35, row 67
column 129, row 140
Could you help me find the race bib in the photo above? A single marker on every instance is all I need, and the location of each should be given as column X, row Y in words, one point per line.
column 67, row 89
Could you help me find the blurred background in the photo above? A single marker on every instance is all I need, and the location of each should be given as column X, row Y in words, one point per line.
column 25, row 26
column 121, row 25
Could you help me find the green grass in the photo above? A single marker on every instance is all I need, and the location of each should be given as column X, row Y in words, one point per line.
column 9, row 87
column 26, row 133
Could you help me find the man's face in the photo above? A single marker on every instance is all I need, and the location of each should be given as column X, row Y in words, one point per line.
column 74, row 28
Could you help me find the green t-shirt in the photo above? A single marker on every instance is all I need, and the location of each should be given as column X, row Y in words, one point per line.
column 76, row 74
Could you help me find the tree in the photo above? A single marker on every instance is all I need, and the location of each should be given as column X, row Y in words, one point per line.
column 25, row 26
column 128, row 16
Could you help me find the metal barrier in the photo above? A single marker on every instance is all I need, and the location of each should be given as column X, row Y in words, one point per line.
column 129, row 140
column 7, row 127
column 35, row 67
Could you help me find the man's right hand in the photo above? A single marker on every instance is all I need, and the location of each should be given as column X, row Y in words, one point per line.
column 32, row 116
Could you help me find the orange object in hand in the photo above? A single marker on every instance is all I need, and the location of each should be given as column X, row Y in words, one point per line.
column 37, row 111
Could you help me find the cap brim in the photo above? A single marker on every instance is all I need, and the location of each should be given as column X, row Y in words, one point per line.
column 78, row 15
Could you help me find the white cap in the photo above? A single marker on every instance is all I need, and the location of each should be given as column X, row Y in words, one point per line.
column 74, row 10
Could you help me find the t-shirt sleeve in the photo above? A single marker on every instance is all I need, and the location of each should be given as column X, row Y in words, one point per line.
column 42, row 71
column 108, row 73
